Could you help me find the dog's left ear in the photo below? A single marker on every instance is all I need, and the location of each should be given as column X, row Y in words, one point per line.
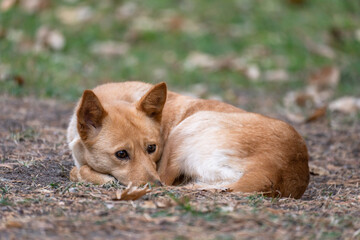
column 152, row 103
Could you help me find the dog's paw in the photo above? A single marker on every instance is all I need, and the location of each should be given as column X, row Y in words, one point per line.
column 108, row 179
column 87, row 174
column 75, row 175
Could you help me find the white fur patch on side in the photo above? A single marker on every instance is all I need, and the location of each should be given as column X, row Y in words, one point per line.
column 203, row 152
column 76, row 151
column 74, row 142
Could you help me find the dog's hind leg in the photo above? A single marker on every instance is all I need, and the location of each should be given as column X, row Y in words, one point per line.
column 272, row 184
column 257, row 182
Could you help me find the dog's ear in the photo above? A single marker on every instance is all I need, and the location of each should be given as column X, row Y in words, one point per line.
column 90, row 115
column 152, row 103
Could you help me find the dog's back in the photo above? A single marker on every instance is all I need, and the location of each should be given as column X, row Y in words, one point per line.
column 243, row 151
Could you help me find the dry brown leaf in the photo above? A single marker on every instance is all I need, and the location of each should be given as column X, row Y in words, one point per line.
column 317, row 114
column 13, row 224
column 345, row 105
column 326, row 77
column 317, row 170
column 19, row 80
column 131, row 193
column 110, row 48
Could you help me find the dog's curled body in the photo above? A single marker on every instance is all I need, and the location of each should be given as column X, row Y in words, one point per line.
column 245, row 152
column 210, row 142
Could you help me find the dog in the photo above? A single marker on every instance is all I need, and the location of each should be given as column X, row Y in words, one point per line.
column 136, row 132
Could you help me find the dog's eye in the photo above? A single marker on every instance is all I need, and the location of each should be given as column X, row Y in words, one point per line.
column 122, row 154
column 151, row 148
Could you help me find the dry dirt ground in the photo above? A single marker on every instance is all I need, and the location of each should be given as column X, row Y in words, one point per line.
column 39, row 202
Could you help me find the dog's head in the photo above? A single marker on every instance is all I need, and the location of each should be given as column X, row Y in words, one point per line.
column 123, row 139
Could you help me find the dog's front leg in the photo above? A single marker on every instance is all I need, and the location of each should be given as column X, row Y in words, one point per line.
column 87, row 174
column 168, row 169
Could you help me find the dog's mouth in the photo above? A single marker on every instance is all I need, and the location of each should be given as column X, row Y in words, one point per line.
column 156, row 183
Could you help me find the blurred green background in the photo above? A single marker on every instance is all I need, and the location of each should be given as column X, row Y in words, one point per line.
column 59, row 48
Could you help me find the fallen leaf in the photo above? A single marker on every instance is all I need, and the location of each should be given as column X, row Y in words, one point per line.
column 345, row 105
column 356, row 233
column 317, row 114
column 175, row 22
column 110, row 48
column 303, row 99
column 33, row 6
column 19, row 80
column 326, row 77
column 131, row 193
column 278, row 75
column 7, row 4
column 126, row 11
column 320, row 49
column 74, row 15
column 13, row 224
column 49, row 38
column 295, row 118
column 56, row 40
column 252, row 72
column 200, row 90
column 146, row 24
column 199, row 60
column 317, row 170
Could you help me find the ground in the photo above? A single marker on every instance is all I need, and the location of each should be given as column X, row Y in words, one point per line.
column 38, row 200
column 290, row 59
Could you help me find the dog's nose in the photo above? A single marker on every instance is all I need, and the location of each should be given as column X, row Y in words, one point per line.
column 158, row 183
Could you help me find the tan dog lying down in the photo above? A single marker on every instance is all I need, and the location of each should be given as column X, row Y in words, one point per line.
column 139, row 133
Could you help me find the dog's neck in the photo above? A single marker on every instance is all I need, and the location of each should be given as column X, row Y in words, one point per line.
column 178, row 107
